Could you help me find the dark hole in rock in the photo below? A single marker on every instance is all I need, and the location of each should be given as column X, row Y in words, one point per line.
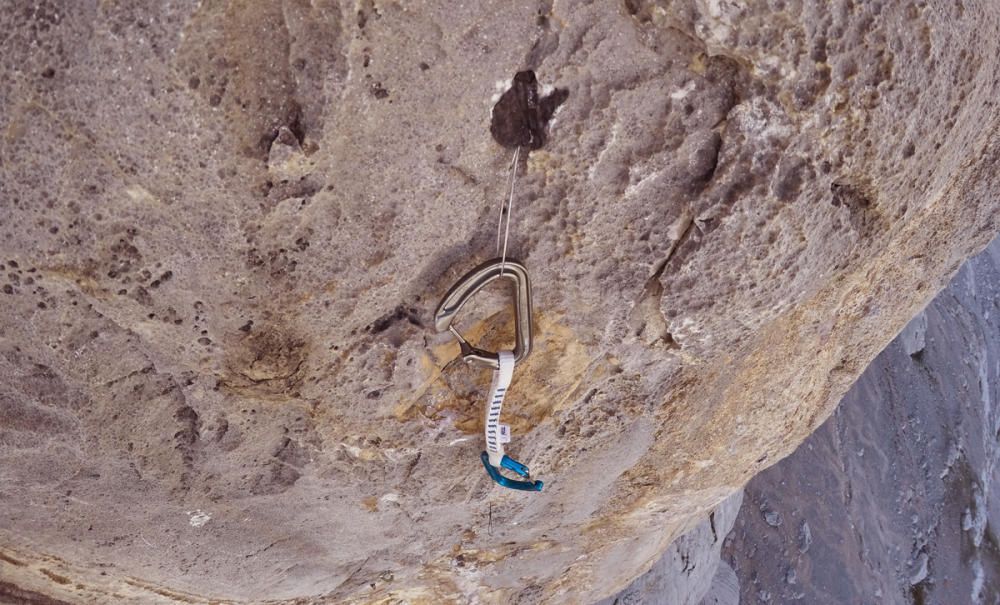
column 520, row 118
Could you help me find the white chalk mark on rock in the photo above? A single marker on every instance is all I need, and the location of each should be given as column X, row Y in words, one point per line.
column 198, row 517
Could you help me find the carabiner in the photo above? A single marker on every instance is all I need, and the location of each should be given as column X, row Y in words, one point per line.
column 509, row 463
column 502, row 363
column 471, row 283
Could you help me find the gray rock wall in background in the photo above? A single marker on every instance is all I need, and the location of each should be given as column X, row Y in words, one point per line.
column 225, row 226
column 690, row 567
column 894, row 499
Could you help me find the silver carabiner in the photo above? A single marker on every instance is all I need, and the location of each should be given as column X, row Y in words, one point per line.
column 471, row 283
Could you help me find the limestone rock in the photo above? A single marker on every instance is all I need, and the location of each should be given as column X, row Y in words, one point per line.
column 914, row 336
column 898, row 489
column 225, row 226
column 691, row 568
column 910, row 451
column 725, row 588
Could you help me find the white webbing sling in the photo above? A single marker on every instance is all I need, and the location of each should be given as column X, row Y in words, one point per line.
column 497, row 434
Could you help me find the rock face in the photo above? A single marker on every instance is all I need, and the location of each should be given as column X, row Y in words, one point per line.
column 691, row 567
column 225, row 226
column 894, row 498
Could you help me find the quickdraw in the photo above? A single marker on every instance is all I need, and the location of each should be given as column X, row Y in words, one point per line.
column 502, row 362
column 519, row 119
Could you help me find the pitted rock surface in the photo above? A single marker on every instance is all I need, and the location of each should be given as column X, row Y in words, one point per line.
column 894, row 496
column 225, row 227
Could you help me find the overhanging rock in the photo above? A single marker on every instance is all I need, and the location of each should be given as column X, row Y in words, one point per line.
column 226, row 226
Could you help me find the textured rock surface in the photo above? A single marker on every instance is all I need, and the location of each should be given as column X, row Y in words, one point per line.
column 226, row 224
column 894, row 499
column 688, row 570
